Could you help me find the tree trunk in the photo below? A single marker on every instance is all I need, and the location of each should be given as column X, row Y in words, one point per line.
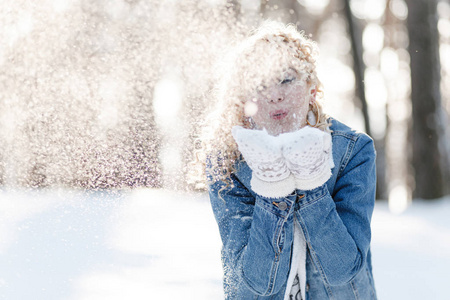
column 355, row 33
column 427, row 128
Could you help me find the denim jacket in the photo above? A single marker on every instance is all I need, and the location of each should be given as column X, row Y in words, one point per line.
column 257, row 232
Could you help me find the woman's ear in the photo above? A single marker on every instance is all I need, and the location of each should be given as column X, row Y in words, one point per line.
column 313, row 92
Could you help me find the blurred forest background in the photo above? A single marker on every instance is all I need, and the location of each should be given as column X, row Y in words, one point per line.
column 108, row 93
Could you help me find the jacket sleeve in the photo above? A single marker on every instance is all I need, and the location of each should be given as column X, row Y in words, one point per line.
column 256, row 235
column 337, row 226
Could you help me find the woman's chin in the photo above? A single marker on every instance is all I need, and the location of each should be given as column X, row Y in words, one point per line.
column 277, row 130
column 283, row 126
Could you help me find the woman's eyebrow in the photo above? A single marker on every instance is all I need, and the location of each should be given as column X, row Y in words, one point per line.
column 290, row 70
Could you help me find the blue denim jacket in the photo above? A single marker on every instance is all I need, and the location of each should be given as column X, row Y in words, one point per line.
column 257, row 235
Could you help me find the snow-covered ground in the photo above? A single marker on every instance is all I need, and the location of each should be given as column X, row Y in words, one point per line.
column 157, row 244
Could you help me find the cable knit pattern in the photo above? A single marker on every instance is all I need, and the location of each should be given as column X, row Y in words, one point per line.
column 302, row 159
column 276, row 189
column 308, row 155
column 262, row 152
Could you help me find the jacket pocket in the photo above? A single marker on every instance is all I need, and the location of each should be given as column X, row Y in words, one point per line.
column 362, row 286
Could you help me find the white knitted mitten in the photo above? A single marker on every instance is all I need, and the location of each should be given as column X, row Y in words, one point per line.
column 308, row 154
column 262, row 152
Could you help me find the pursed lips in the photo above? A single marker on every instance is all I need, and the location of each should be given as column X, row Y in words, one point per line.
column 278, row 114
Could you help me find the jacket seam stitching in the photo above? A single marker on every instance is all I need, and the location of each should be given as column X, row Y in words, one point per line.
column 315, row 258
column 355, row 292
column 312, row 201
column 273, row 274
column 277, row 236
column 269, row 211
column 347, row 156
column 352, row 137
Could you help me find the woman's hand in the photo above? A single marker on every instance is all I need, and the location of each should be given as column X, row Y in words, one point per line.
column 263, row 154
column 308, row 155
column 302, row 159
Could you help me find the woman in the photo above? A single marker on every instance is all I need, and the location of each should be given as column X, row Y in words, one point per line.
column 292, row 189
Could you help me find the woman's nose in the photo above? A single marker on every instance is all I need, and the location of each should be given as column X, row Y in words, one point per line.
column 276, row 97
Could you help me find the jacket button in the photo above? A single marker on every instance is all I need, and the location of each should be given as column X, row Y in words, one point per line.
column 307, row 287
column 282, row 205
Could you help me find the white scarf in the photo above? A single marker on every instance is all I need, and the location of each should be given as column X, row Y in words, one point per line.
column 298, row 265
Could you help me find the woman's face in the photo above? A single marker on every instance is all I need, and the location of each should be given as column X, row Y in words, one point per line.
column 283, row 105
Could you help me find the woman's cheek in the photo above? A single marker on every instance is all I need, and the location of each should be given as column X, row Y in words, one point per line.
column 258, row 118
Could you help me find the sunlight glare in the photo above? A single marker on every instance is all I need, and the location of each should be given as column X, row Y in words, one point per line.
column 336, row 76
column 25, row 24
column 368, row 9
column 389, row 63
column 399, row 199
column 250, row 108
column 18, row 28
column 373, row 38
column 443, row 9
column 376, row 92
column 171, row 160
column 445, row 56
column 399, row 9
column 61, row 6
column 444, row 28
column 250, row 4
column 168, row 97
column 314, row 6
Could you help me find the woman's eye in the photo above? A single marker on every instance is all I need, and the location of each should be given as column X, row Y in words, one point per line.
column 287, row 80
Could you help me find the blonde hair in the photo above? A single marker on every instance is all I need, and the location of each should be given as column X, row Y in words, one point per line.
column 275, row 46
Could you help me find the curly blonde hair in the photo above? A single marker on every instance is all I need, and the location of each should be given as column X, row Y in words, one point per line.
column 276, row 47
